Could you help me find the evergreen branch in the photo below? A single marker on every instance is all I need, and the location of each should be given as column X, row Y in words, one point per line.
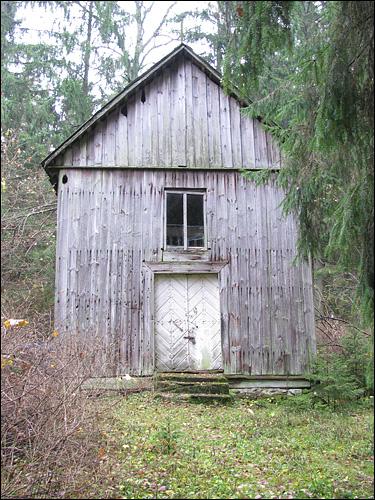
column 360, row 53
column 112, row 49
column 49, row 32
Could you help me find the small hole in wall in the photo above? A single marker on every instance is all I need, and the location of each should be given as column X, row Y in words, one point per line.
column 124, row 110
column 64, row 179
column 143, row 96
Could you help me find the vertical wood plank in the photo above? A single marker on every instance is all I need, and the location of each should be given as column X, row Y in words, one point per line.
column 90, row 149
column 189, row 117
column 146, row 125
column 213, row 117
column 76, row 154
column 178, row 114
column 98, row 142
column 138, row 132
column 235, row 131
column 122, row 139
column 168, row 119
column 225, row 124
column 83, row 151
column 247, row 141
column 154, row 132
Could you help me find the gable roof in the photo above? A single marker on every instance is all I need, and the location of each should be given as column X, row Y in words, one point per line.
column 120, row 98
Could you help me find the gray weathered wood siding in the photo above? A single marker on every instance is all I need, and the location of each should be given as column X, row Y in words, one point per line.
column 110, row 225
column 185, row 120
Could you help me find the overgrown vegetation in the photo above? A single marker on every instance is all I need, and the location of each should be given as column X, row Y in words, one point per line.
column 251, row 449
column 28, row 220
column 344, row 366
column 345, row 374
column 49, row 425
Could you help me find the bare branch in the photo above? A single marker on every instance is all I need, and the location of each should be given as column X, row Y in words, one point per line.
column 156, row 31
column 326, row 318
column 153, row 48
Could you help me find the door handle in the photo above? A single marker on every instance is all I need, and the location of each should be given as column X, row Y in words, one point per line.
column 192, row 339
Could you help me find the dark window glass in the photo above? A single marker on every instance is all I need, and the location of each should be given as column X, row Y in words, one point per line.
column 175, row 220
column 195, row 224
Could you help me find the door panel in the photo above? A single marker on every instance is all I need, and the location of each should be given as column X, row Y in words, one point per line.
column 171, row 323
column 204, row 322
column 187, row 322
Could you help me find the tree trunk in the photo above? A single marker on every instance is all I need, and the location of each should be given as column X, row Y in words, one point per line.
column 135, row 67
column 87, row 52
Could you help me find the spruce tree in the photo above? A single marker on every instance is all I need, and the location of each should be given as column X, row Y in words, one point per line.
column 308, row 69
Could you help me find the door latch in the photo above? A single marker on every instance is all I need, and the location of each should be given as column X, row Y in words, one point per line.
column 192, row 339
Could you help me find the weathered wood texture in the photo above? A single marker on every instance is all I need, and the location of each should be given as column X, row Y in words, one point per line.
column 187, row 322
column 185, row 120
column 110, row 224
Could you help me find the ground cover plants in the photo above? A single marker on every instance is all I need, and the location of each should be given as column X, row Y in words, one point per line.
column 273, row 448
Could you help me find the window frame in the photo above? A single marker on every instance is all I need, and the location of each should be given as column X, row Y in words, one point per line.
column 185, row 192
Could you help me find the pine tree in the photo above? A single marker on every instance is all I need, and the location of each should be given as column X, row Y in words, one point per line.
column 27, row 106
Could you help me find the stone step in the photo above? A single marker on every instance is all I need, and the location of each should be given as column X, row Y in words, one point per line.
column 192, row 387
column 195, row 398
column 211, row 398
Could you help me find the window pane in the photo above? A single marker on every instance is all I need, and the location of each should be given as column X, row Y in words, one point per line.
column 195, row 224
column 175, row 220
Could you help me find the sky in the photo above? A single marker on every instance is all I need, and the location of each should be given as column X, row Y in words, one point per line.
column 35, row 19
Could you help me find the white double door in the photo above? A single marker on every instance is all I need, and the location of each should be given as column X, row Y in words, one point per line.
column 187, row 322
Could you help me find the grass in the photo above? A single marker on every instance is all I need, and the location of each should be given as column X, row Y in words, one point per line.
column 249, row 449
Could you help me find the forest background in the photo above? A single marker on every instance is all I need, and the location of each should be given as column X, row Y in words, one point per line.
column 306, row 67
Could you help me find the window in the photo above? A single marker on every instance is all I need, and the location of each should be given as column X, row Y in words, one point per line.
column 185, row 215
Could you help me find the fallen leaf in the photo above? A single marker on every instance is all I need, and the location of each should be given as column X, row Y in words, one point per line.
column 17, row 323
column 6, row 361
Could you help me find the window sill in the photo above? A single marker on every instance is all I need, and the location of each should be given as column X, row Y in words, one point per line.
column 187, row 267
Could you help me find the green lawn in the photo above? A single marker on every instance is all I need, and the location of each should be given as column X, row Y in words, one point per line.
column 248, row 449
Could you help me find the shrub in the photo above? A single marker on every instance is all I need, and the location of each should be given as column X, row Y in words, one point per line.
column 48, row 423
column 166, row 438
column 344, row 374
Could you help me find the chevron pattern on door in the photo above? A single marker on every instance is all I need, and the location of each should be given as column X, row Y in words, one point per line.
column 187, row 322
column 204, row 322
